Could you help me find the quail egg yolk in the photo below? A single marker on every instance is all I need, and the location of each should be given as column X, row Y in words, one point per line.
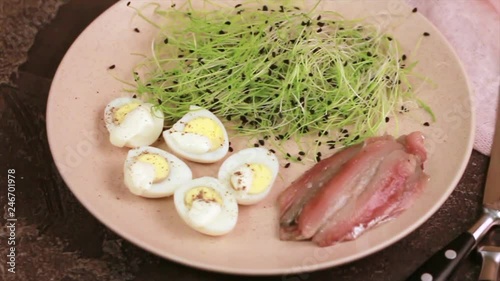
column 254, row 178
column 120, row 113
column 208, row 128
column 202, row 193
column 160, row 164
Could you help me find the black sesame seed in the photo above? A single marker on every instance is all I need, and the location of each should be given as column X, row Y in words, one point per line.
column 288, row 155
column 165, row 41
column 134, row 96
column 387, row 119
column 299, row 159
column 318, row 158
column 222, row 32
column 237, row 6
column 321, row 24
column 319, row 17
column 318, row 154
column 112, row 66
column 272, row 151
column 230, row 71
column 286, row 61
column 302, row 153
column 319, row 30
column 137, row 30
column 273, row 66
column 239, row 12
column 427, row 124
column 403, row 57
column 227, row 23
column 264, row 8
column 414, row 10
column 230, row 149
column 128, row 3
column 287, row 165
column 389, row 38
column 256, row 145
column 341, row 28
column 332, row 146
column 427, row 34
column 172, row 6
column 369, row 54
column 261, row 142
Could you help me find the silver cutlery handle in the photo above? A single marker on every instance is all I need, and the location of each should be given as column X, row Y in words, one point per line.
column 491, row 262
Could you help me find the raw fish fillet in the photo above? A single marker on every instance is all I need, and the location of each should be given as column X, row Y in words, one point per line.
column 354, row 190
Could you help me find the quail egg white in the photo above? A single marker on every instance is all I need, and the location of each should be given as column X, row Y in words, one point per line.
column 154, row 173
column 132, row 122
column 207, row 206
column 250, row 173
column 198, row 136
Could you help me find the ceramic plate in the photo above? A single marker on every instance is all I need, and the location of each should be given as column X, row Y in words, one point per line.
column 92, row 167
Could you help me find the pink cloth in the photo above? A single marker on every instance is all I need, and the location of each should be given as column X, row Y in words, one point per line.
column 473, row 29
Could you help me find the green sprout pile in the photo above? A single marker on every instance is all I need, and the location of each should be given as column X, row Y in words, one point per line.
column 271, row 69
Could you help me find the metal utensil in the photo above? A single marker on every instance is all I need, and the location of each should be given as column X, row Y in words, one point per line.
column 491, row 263
column 444, row 262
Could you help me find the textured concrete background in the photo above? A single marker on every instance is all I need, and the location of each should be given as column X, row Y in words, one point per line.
column 59, row 240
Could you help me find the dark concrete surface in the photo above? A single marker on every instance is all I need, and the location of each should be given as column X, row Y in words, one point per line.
column 57, row 239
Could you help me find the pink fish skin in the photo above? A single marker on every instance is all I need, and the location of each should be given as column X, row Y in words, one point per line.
column 352, row 191
column 301, row 190
column 382, row 193
column 414, row 144
column 348, row 182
